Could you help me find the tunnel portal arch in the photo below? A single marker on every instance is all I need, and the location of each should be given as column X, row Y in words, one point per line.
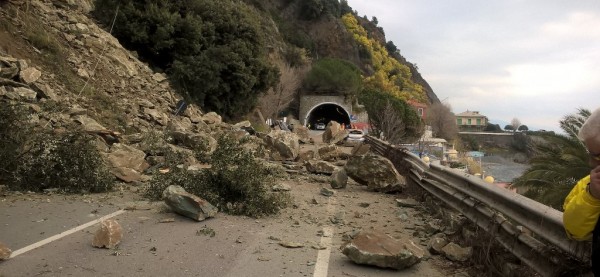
column 326, row 112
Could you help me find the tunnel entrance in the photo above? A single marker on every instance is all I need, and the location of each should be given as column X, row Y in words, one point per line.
column 326, row 112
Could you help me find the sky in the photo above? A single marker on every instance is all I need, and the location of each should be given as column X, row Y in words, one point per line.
column 534, row 60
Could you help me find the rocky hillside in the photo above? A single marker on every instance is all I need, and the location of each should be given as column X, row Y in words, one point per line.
column 79, row 69
column 329, row 37
column 71, row 74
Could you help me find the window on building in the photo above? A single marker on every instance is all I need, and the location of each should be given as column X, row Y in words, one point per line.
column 469, row 121
column 479, row 121
column 459, row 121
column 420, row 111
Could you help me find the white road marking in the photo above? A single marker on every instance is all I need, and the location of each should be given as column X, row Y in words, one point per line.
column 63, row 234
column 322, row 264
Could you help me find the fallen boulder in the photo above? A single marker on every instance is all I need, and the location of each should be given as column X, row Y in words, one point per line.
column 320, row 167
column 339, row 179
column 187, row 204
column 454, row 252
column 436, row 244
column 285, row 144
column 109, row 235
column 4, row 252
column 302, row 133
column 334, row 133
column 378, row 249
column 360, row 149
column 376, row 172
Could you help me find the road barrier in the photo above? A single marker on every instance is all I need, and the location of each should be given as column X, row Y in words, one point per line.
column 498, row 211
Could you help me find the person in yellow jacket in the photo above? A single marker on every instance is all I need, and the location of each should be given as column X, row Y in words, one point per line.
column 582, row 205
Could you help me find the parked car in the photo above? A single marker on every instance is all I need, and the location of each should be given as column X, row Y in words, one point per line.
column 354, row 136
column 320, row 126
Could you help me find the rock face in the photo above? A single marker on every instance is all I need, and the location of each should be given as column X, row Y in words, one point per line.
column 376, row 172
column 187, row 204
column 4, row 252
column 378, row 249
column 109, row 235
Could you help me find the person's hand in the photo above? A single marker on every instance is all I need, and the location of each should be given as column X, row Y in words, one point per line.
column 595, row 182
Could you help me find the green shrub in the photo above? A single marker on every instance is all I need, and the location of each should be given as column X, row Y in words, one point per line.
column 236, row 183
column 34, row 160
column 69, row 162
column 334, row 76
column 213, row 51
column 13, row 137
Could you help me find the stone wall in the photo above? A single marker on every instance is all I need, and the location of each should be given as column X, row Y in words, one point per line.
column 490, row 139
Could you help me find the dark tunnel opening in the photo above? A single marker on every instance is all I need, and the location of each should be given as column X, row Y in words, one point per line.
column 325, row 113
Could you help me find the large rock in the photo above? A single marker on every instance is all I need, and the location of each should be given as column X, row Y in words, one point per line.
column 122, row 155
column 212, row 118
column 126, row 175
column 284, row 143
column 194, row 141
column 334, row 133
column 360, row 149
column 378, row 249
column 157, row 116
column 44, row 91
column 8, row 72
column 320, row 167
column 436, row 244
column 109, row 235
column 339, row 179
column 306, row 156
column 376, row 172
column 88, row 123
column 331, row 153
column 456, row 253
column 303, row 133
column 29, row 75
column 187, row 204
column 4, row 252
column 25, row 93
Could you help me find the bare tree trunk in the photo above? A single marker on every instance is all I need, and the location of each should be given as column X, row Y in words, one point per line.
column 280, row 96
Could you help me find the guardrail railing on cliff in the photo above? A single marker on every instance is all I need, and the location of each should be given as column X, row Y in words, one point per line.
column 496, row 210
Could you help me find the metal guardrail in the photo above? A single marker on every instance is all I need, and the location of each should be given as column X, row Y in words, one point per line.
column 496, row 210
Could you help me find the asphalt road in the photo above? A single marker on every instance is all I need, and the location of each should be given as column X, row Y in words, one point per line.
column 241, row 246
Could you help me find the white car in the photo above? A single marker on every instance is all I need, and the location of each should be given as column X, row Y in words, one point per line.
column 355, row 136
column 320, row 126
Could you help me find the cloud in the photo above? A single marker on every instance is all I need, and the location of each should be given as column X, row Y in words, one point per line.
column 535, row 60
